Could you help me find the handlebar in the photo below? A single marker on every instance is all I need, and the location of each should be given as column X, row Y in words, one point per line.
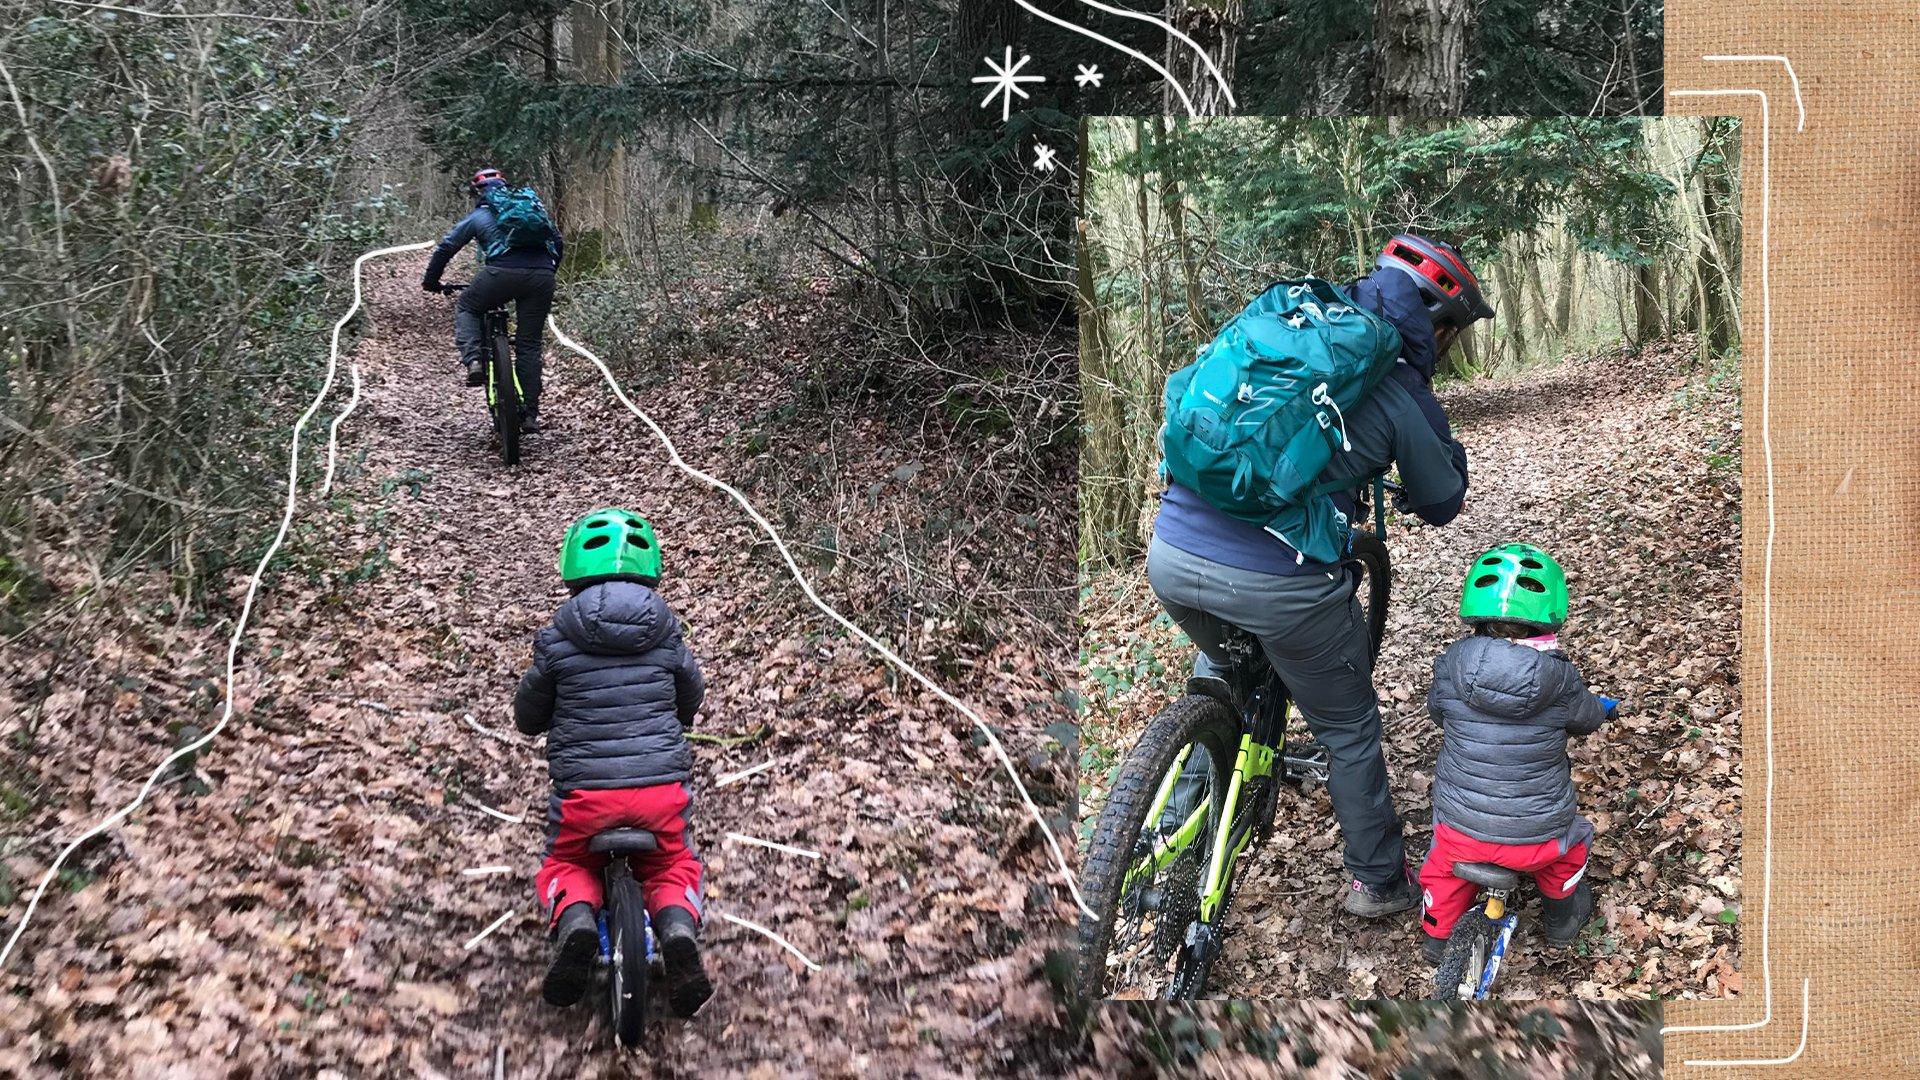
column 450, row 287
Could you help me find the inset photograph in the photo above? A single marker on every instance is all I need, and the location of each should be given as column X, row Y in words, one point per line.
column 1410, row 552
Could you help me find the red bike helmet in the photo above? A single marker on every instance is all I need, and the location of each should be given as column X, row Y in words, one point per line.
column 1449, row 288
column 484, row 177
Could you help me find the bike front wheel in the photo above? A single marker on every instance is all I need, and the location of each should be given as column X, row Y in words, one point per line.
column 627, row 939
column 1148, row 855
column 1465, row 958
column 1369, row 559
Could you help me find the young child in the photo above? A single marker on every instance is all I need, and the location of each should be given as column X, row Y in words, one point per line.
column 1507, row 698
column 615, row 689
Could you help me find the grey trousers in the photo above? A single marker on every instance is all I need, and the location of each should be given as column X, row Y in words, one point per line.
column 531, row 292
column 1313, row 632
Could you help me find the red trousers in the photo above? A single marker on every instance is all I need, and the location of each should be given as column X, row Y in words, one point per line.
column 1444, row 898
column 669, row 877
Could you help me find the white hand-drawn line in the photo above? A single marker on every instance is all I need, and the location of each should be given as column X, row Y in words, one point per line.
column 1006, row 81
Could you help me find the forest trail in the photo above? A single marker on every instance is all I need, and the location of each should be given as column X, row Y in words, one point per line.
column 318, row 891
column 1625, row 467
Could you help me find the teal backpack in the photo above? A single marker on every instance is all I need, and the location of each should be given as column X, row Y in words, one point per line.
column 1253, row 422
column 521, row 219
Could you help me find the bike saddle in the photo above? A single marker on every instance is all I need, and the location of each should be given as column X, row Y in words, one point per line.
column 1487, row 875
column 624, row 842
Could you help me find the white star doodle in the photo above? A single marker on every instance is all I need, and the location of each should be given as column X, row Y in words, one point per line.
column 1043, row 157
column 1090, row 75
column 1006, row 82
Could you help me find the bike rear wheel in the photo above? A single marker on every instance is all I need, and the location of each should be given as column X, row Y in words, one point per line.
column 627, row 937
column 503, row 398
column 1465, row 957
column 1143, row 878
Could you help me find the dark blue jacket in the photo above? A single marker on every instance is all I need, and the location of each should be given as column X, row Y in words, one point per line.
column 614, row 688
column 480, row 226
column 1401, row 421
column 1507, row 710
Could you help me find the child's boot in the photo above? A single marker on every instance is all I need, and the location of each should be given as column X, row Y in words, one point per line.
column 1564, row 917
column 1432, row 949
column 576, row 941
column 687, row 984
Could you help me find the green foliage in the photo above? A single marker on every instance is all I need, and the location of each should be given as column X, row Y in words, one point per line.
column 168, row 306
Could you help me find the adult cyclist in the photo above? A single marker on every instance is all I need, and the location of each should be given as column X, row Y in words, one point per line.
column 1210, row 570
column 522, row 274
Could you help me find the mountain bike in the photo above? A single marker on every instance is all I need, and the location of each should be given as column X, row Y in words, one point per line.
column 1479, row 940
column 628, row 951
column 503, row 381
column 1192, row 795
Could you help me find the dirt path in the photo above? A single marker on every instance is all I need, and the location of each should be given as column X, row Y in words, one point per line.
column 1626, row 469
column 313, row 909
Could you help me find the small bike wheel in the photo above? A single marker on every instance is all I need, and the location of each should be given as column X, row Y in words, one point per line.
column 503, row 398
column 1369, row 557
column 627, row 937
column 1144, row 902
column 1465, row 957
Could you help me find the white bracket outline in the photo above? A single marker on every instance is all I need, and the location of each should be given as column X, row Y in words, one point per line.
column 1766, row 591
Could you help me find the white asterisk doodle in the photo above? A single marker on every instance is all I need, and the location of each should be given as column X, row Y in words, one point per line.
column 1006, row 82
column 1090, row 75
column 1043, row 157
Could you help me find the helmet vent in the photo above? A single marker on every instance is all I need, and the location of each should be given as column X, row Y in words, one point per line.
column 1531, row 564
column 1531, row 585
column 1489, row 562
column 597, row 523
column 637, row 540
column 1485, row 580
column 596, row 541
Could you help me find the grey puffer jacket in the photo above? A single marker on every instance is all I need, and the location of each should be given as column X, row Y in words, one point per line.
column 614, row 688
column 1507, row 710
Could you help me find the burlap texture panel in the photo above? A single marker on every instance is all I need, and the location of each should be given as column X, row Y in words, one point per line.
column 1829, row 532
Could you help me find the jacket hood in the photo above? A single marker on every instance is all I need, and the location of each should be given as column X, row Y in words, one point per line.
column 1502, row 678
column 615, row 618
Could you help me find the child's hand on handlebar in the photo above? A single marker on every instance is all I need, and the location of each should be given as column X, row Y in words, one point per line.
column 1609, row 705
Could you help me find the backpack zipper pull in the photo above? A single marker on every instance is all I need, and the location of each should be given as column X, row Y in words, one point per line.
column 1321, row 397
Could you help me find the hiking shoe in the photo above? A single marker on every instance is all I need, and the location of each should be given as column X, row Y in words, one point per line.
column 1432, row 948
column 530, row 422
column 1563, row 918
column 576, row 942
column 687, row 984
column 1374, row 901
column 476, row 375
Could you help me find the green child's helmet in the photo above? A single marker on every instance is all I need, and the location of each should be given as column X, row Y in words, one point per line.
column 610, row 544
column 1518, row 583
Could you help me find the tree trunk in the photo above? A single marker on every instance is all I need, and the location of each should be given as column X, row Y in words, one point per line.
column 1173, row 205
column 1648, row 319
column 1513, row 315
column 597, row 186
column 1420, row 57
column 1563, row 295
column 1216, row 26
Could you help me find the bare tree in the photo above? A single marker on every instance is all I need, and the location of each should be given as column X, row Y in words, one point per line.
column 1420, row 49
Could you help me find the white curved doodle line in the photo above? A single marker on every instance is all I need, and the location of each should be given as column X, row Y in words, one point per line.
column 333, row 429
column 1104, row 40
column 1000, row 751
column 1169, row 28
column 239, row 626
column 776, row 938
column 1766, row 587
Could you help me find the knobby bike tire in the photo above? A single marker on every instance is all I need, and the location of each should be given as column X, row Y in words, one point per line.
column 506, row 401
column 1111, row 850
column 1473, row 929
column 1370, row 552
column 627, row 983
